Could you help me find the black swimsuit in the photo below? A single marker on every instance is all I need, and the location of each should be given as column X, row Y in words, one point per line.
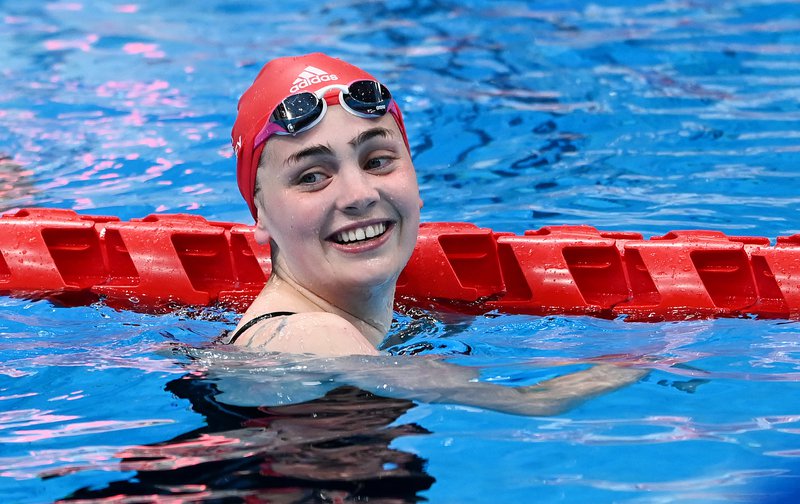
column 255, row 320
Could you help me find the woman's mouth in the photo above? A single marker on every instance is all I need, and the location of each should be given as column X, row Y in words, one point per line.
column 360, row 234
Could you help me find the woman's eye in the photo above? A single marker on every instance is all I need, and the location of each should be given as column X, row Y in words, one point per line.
column 311, row 178
column 377, row 163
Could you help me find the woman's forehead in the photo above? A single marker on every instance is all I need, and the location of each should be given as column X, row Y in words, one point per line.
column 338, row 130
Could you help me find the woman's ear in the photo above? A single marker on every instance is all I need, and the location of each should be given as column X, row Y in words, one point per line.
column 260, row 232
column 421, row 203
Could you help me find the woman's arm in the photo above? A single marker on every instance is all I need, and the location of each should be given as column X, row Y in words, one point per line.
column 550, row 397
column 345, row 353
column 434, row 381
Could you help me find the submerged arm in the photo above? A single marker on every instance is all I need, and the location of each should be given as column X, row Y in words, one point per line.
column 282, row 379
column 550, row 397
column 427, row 379
column 434, row 381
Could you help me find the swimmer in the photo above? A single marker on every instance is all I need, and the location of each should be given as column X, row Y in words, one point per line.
column 324, row 164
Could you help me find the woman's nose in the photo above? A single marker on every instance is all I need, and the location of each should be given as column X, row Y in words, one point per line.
column 358, row 191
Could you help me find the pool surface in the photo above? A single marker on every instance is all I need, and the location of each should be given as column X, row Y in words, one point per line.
column 638, row 116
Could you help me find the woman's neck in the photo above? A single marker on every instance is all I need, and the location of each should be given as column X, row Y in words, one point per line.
column 368, row 309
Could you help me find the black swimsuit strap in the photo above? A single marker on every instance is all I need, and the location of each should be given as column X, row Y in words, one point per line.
column 255, row 320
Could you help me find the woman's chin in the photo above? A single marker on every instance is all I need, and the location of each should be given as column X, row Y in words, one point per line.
column 359, row 280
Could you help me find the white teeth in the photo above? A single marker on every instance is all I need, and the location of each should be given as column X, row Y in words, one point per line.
column 363, row 233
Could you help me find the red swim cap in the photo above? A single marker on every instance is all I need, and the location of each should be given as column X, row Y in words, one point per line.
column 278, row 79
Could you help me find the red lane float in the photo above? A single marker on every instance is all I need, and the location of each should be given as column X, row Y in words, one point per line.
column 162, row 261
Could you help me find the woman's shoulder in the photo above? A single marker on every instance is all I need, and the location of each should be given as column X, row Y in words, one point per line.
column 319, row 333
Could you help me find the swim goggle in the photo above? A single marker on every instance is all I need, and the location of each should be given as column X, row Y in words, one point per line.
column 302, row 111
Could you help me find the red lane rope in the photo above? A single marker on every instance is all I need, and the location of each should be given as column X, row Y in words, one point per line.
column 162, row 261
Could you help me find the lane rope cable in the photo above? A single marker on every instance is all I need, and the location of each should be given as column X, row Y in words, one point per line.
column 162, row 261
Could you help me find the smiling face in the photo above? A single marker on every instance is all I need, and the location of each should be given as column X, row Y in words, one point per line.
column 340, row 202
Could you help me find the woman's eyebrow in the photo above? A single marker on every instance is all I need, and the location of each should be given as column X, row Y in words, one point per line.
column 324, row 150
column 314, row 150
column 369, row 135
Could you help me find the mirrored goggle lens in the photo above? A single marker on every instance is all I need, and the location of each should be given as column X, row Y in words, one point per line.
column 368, row 97
column 297, row 111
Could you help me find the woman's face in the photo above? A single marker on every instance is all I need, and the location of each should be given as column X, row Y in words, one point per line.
column 341, row 203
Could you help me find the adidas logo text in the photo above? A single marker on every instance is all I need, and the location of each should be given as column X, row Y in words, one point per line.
column 311, row 75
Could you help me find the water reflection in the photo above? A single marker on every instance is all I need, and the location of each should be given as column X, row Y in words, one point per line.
column 16, row 184
column 331, row 449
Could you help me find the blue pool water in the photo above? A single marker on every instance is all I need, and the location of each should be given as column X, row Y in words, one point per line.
column 641, row 116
